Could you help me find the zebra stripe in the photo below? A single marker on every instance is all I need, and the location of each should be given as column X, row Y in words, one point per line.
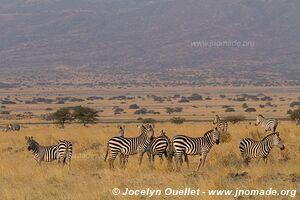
column 65, row 149
column 266, row 124
column 41, row 153
column 129, row 146
column 250, row 148
column 184, row 145
column 121, row 134
column 221, row 125
column 159, row 146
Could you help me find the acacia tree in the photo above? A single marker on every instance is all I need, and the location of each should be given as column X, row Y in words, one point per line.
column 62, row 115
column 85, row 115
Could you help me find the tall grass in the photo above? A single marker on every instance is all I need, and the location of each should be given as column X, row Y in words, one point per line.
column 90, row 177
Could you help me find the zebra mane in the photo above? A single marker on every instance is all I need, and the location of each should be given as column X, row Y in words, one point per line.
column 268, row 136
column 208, row 133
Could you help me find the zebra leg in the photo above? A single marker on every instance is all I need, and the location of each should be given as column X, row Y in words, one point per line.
column 186, row 159
column 161, row 158
column 202, row 161
column 265, row 159
column 141, row 154
column 149, row 156
column 246, row 161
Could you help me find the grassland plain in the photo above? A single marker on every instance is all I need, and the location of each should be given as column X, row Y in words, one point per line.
column 90, row 177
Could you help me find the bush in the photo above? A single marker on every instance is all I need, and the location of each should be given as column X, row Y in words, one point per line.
column 141, row 111
column 294, row 103
column 295, row 114
column 5, row 112
column 148, row 120
column 183, row 100
column 118, row 111
column 195, row 97
column 250, row 110
column 134, row 106
column 229, row 110
column 177, row 120
column 173, row 110
column 245, row 105
column 235, row 118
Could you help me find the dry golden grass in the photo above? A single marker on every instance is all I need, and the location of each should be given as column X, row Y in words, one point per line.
column 90, row 177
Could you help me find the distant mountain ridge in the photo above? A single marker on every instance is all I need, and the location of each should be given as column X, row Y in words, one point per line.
column 151, row 38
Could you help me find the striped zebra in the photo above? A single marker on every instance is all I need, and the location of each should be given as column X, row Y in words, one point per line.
column 65, row 149
column 49, row 153
column 129, row 146
column 159, row 146
column 41, row 153
column 221, row 125
column 12, row 127
column 250, row 148
column 184, row 145
column 266, row 124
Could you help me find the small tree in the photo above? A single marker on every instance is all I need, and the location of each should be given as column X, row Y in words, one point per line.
column 85, row 115
column 295, row 114
column 62, row 115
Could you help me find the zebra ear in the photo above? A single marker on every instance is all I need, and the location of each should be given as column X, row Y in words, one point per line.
column 26, row 137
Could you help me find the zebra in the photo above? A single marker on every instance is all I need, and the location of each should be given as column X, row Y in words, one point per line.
column 129, row 146
column 159, row 146
column 184, row 145
column 267, row 124
column 41, row 153
column 61, row 151
column 12, row 127
column 65, row 149
column 250, row 148
column 221, row 125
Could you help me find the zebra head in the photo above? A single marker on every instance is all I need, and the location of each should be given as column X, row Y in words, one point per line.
column 121, row 130
column 31, row 143
column 213, row 136
column 216, row 119
column 216, row 135
column 147, row 130
column 150, row 128
column 259, row 118
column 277, row 141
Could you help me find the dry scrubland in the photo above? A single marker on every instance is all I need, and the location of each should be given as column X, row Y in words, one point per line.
column 90, row 177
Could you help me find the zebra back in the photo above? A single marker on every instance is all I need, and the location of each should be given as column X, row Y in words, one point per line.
column 159, row 145
column 195, row 145
column 251, row 148
column 267, row 124
column 65, row 149
column 129, row 146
